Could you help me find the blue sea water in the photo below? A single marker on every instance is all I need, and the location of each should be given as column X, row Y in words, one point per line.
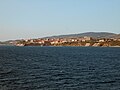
column 59, row 68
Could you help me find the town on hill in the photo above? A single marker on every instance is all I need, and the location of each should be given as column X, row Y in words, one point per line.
column 102, row 39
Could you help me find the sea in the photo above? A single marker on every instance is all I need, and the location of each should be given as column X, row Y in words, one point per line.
column 59, row 68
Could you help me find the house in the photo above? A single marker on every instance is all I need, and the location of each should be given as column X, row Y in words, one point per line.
column 101, row 40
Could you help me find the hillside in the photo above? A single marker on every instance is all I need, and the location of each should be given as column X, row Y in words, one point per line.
column 89, row 34
column 116, row 36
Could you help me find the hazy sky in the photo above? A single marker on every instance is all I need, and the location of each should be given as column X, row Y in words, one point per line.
column 39, row 18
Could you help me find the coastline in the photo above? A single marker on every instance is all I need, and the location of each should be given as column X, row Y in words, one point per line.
column 56, row 46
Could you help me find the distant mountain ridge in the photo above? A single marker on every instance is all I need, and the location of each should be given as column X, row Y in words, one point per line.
column 89, row 34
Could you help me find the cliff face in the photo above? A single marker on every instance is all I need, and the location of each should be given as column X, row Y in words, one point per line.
column 93, row 44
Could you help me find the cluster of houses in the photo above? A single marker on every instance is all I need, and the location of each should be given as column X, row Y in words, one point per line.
column 52, row 41
column 60, row 41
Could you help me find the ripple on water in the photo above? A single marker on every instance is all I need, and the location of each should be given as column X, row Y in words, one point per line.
column 59, row 68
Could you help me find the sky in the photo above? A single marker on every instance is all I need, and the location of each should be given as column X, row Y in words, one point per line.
column 25, row 19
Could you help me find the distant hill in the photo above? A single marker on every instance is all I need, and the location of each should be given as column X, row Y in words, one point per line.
column 89, row 34
column 9, row 42
column 116, row 36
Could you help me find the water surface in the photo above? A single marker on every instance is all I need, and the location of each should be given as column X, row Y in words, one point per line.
column 59, row 68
